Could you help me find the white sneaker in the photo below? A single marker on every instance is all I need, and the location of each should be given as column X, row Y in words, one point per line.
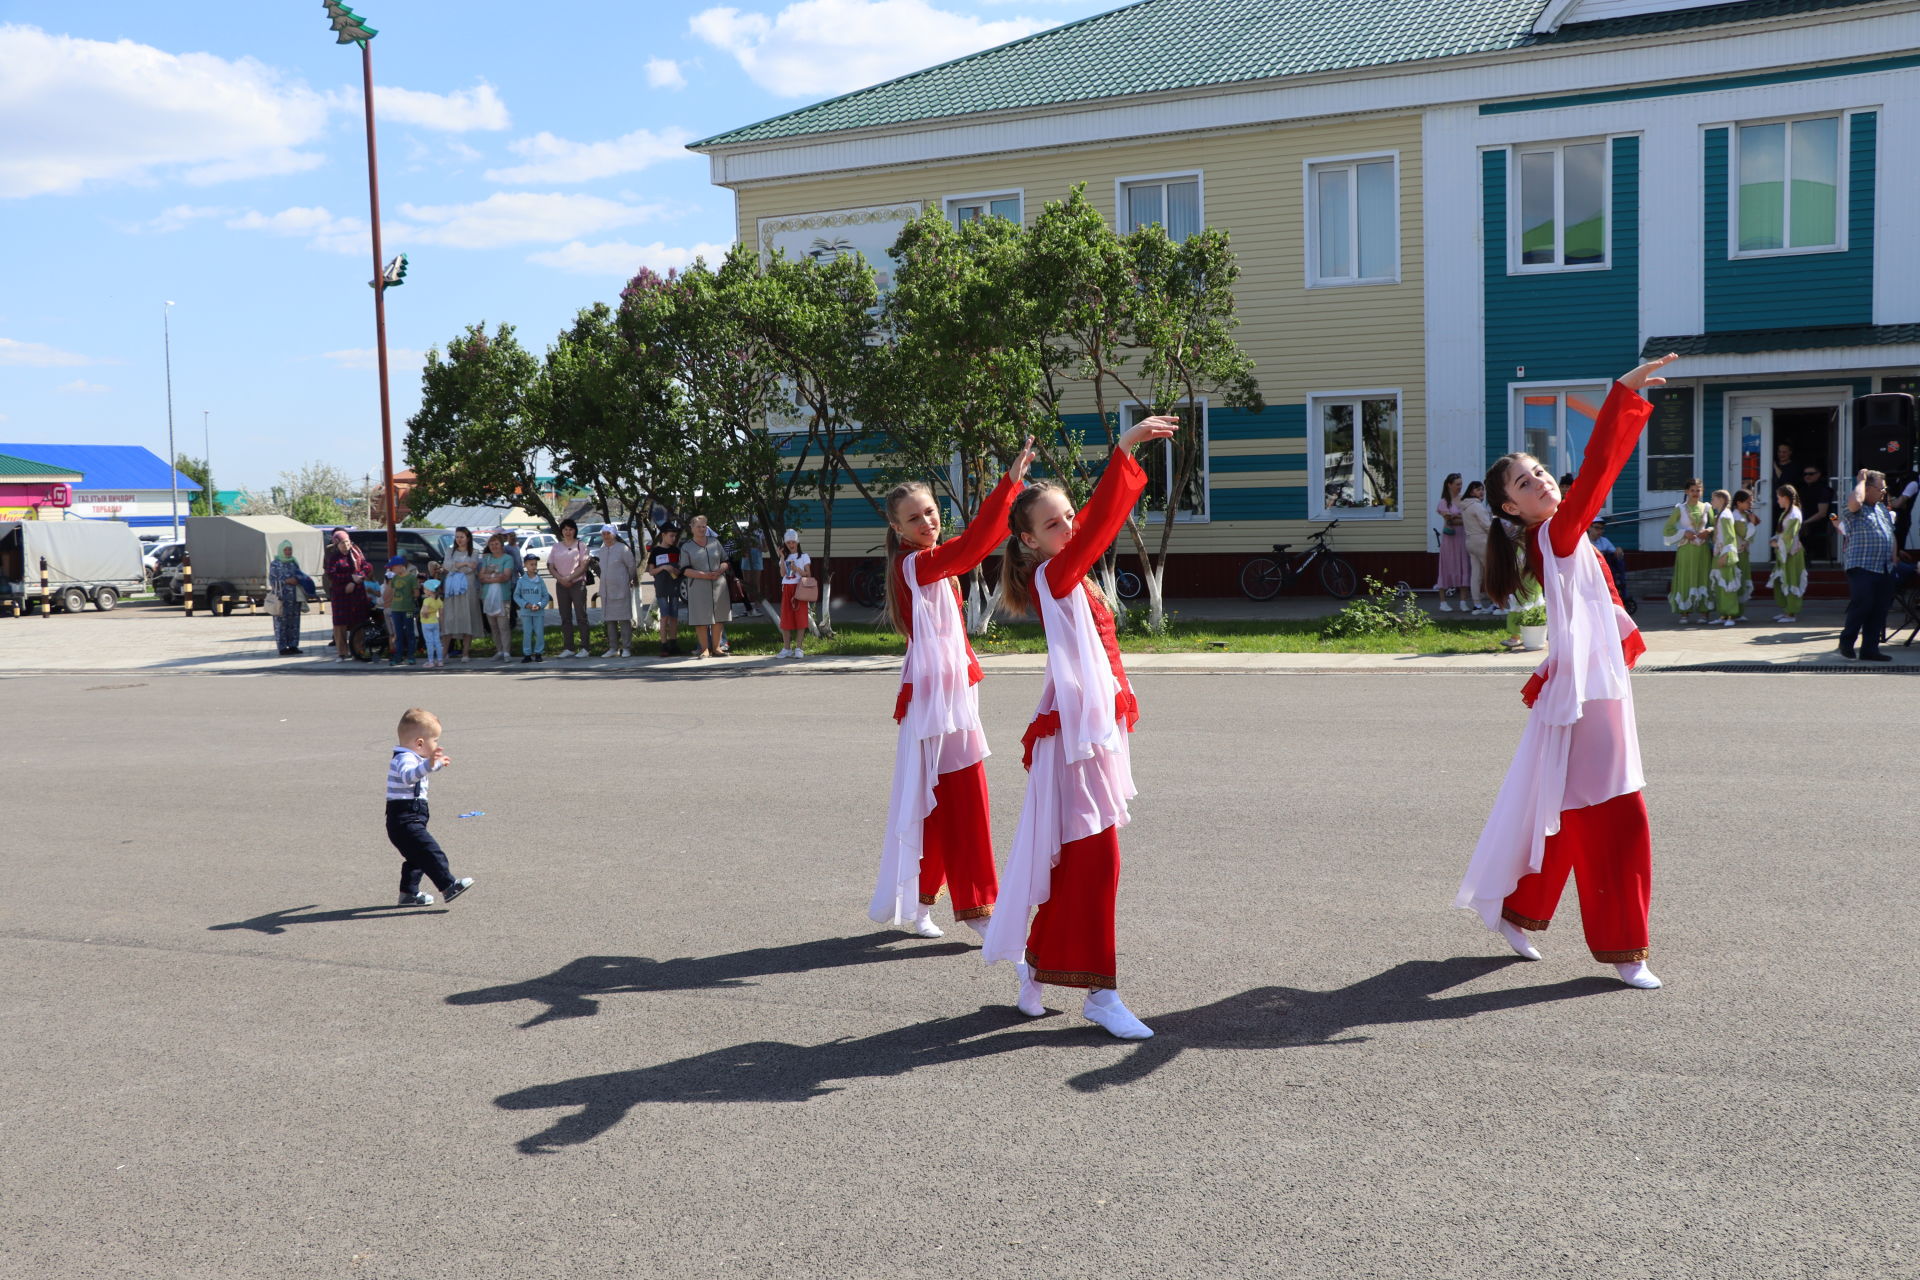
column 611, row 653
column 1636, row 974
column 799, row 653
column 1029, row 1000
column 1445, row 607
column 1104, row 1009
column 786, row 653
column 922, row 926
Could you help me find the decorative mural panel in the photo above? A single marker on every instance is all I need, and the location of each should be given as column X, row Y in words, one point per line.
column 837, row 232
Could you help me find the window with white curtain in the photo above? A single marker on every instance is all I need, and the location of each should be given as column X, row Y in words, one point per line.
column 1172, row 202
column 1353, row 221
column 1559, row 206
column 976, row 208
column 1787, row 179
column 1354, row 453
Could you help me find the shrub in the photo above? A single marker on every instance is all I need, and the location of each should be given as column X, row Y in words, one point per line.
column 1380, row 611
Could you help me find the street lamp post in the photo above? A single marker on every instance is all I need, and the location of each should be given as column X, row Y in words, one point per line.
column 173, row 472
column 352, row 29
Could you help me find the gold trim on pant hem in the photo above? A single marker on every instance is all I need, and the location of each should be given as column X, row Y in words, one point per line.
column 1525, row 922
column 973, row 913
column 928, row 899
column 1064, row 978
column 1622, row 957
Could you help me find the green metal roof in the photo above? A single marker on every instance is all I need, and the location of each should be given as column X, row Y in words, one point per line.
column 1157, row 46
column 12, row 468
column 1811, row 338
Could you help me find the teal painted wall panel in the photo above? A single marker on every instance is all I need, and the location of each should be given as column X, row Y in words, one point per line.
column 1248, row 463
column 1560, row 324
column 1269, row 502
column 1795, row 289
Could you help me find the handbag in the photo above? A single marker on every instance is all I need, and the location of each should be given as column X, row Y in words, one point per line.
column 807, row 590
column 275, row 605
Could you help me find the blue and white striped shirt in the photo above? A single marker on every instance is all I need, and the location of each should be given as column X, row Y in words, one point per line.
column 407, row 775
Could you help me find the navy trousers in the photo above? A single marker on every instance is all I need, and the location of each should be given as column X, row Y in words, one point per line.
column 420, row 853
column 1869, row 597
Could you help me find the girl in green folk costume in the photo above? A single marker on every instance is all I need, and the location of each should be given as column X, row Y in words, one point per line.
column 1749, row 528
column 1789, row 580
column 1690, row 533
column 1729, row 535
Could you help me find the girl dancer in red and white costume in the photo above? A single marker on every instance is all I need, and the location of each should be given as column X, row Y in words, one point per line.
column 1571, row 801
column 937, row 828
column 1066, row 853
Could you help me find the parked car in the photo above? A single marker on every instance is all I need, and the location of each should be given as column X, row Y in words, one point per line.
column 537, row 545
column 420, row 546
column 163, row 554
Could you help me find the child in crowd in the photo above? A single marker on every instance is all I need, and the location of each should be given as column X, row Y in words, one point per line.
column 431, row 606
column 669, row 588
column 795, row 615
column 1749, row 530
column 530, row 594
column 1729, row 534
column 415, row 755
column 403, row 609
column 1789, row 580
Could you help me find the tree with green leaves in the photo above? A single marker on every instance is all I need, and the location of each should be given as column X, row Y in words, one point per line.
column 477, row 439
column 594, row 400
column 200, row 471
column 957, row 377
column 1141, row 322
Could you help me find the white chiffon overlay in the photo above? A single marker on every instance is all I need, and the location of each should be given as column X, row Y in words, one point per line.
column 1581, row 746
column 1082, row 777
column 940, row 733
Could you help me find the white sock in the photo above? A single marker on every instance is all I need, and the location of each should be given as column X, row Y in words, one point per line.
column 1517, row 939
column 922, row 925
column 1103, row 1008
column 979, row 925
column 1028, row 1001
column 1636, row 974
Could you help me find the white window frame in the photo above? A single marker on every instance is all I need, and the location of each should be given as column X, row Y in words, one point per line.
column 1311, row 219
column 1204, row 475
column 987, row 198
column 1316, row 453
column 1514, row 151
column 1842, row 183
column 1517, row 426
column 1121, row 186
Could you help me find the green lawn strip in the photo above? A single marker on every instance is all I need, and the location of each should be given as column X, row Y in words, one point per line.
column 1298, row 635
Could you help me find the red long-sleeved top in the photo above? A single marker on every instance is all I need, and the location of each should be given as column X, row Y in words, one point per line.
column 983, row 534
column 1615, row 433
column 1095, row 526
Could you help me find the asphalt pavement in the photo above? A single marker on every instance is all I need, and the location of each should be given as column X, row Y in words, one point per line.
column 660, row 1038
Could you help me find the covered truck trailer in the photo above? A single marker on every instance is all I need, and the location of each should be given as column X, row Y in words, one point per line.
column 229, row 555
column 87, row 560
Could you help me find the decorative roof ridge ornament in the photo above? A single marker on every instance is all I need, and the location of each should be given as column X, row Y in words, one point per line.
column 350, row 26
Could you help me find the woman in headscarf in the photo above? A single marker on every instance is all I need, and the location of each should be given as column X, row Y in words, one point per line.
column 619, row 573
column 460, row 616
column 347, row 571
column 292, row 587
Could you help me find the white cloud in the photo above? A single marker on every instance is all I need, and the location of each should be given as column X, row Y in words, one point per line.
column 554, row 159
column 665, row 73
column 816, row 47
column 81, row 387
column 321, row 229
column 521, row 217
column 366, row 359
column 38, row 355
column 179, row 216
column 79, row 111
column 462, row 111
column 620, row 260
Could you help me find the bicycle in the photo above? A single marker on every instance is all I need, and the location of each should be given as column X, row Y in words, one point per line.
column 868, row 582
column 1263, row 578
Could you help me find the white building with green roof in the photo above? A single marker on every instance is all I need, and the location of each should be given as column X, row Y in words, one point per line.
column 1456, row 220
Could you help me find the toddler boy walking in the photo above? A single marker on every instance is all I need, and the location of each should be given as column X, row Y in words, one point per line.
column 415, row 755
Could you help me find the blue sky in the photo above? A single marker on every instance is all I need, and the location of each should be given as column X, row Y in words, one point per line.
column 213, row 155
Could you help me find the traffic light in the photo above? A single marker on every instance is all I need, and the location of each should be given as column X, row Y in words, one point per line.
column 394, row 275
column 352, row 28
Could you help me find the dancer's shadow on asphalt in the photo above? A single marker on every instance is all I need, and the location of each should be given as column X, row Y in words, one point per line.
column 1262, row 1018
column 571, row 991
column 279, row 921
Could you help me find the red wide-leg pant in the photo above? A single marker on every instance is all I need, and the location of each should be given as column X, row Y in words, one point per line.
column 1071, row 941
column 956, row 845
column 1609, row 849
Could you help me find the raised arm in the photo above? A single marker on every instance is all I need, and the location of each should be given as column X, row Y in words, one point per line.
column 1622, row 418
column 984, row 533
column 1097, row 524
